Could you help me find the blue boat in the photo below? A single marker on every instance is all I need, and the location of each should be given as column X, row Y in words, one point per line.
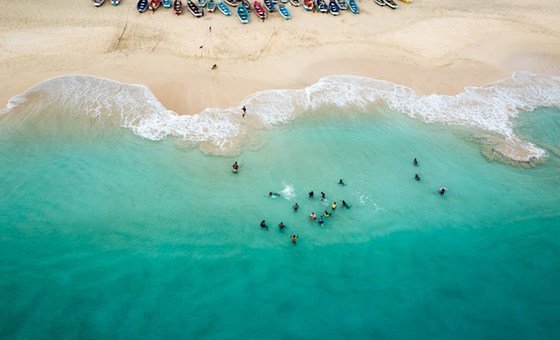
column 211, row 5
column 115, row 2
column 284, row 12
column 142, row 6
column 342, row 4
column 202, row 3
column 333, row 7
column 224, row 9
column 242, row 14
column 353, row 6
column 321, row 6
column 166, row 3
column 269, row 6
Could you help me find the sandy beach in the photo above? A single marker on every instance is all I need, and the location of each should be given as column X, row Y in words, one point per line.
column 431, row 46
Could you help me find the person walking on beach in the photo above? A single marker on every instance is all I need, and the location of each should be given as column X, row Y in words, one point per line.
column 244, row 109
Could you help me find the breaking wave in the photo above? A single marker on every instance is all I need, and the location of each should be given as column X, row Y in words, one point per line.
column 491, row 108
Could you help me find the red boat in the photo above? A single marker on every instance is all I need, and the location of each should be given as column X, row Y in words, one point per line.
column 154, row 4
column 259, row 10
column 308, row 5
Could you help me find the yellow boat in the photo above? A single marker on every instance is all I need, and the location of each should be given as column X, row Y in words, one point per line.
column 407, row 1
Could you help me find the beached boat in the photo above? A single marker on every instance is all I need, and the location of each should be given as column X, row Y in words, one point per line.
column 232, row 3
column 353, row 6
column 274, row 1
column 98, row 3
column 391, row 4
column 294, row 3
column 211, row 5
column 380, row 2
column 322, row 6
column 407, row 1
column 243, row 13
column 259, row 10
column 342, row 4
column 202, row 3
column 224, row 9
column 247, row 5
column 194, row 9
column 333, row 7
column 154, row 4
column 115, row 2
column 269, row 6
column 308, row 5
column 166, row 3
column 142, row 6
column 284, row 12
column 284, row 1
column 178, row 7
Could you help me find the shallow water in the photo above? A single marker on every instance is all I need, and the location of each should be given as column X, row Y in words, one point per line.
column 104, row 234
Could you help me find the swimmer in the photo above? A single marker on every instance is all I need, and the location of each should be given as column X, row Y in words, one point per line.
column 313, row 216
column 327, row 214
column 415, row 162
column 442, row 191
column 294, row 238
column 333, row 206
column 323, row 195
column 341, row 182
column 416, row 177
column 295, row 207
column 345, row 205
column 311, row 194
column 235, row 167
column 282, row 226
column 273, row 194
column 263, row 224
column 321, row 220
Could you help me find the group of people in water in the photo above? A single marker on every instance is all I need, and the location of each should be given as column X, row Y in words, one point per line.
column 441, row 190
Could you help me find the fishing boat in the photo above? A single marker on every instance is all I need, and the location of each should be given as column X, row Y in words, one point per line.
column 194, row 9
column 294, row 3
column 308, row 5
column 224, row 9
column 269, row 6
column 284, row 1
column 407, row 1
column 243, row 13
column 98, row 3
column 284, row 12
column 342, row 4
column 247, row 5
column 353, row 6
column 333, row 8
column 142, row 6
column 380, row 2
column 391, row 4
column 232, row 3
column 259, row 10
column 202, row 3
column 322, row 6
column 166, row 3
column 178, row 7
column 211, row 5
column 274, row 1
column 115, row 2
column 154, row 4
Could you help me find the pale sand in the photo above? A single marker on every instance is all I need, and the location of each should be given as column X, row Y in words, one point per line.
column 432, row 46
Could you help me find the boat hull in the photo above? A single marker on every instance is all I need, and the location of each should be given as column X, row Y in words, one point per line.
column 98, row 3
column 222, row 7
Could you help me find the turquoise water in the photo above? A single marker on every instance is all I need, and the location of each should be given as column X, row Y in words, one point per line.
column 104, row 234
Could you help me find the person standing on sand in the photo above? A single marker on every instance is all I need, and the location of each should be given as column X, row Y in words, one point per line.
column 244, row 109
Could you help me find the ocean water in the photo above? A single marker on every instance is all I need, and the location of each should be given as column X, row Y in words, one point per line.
column 107, row 234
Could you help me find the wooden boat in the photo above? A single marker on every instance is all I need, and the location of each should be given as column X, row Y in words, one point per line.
column 294, row 3
column 342, row 4
column 166, row 3
column 407, row 1
column 269, row 6
column 194, row 9
column 247, row 5
column 353, row 6
column 322, row 6
column 284, row 1
column 243, row 13
column 308, row 5
column 202, row 3
column 259, row 10
column 284, row 12
column 380, row 2
column 232, row 3
column 211, row 5
column 115, row 2
column 224, row 9
column 98, row 3
column 142, row 6
column 178, row 7
column 333, row 8
column 154, row 4
column 391, row 4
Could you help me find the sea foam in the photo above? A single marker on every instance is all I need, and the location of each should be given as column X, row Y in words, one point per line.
column 491, row 108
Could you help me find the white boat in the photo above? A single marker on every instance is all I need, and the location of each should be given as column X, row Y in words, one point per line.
column 390, row 3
